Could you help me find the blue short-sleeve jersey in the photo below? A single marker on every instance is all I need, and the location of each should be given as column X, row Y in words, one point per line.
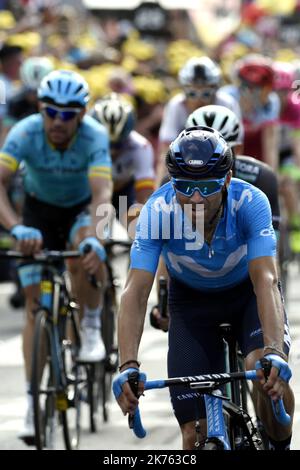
column 54, row 176
column 243, row 233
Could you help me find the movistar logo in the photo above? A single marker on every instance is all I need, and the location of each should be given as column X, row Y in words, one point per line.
column 196, row 162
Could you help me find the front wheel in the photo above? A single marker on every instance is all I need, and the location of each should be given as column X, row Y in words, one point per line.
column 43, row 385
column 75, row 378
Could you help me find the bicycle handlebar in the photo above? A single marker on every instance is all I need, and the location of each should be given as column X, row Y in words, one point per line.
column 48, row 255
column 43, row 256
column 209, row 382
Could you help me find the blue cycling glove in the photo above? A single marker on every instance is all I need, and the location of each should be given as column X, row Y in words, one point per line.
column 94, row 245
column 123, row 377
column 21, row 232
column 284, row 372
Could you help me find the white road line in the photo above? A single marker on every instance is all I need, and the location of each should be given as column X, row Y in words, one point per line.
column 11, row 352
column 7, row 288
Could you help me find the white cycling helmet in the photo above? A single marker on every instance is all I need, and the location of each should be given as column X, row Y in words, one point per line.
column 200, row 71
column 219, row 118
column 116, row 115
column 34, row 69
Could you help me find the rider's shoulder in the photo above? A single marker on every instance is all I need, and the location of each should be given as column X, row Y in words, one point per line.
column 253, row 165
column 32, row 124
column 137, row 140
column 242, row 191
column 239, row 185
column 228, row 90
column 176, row 100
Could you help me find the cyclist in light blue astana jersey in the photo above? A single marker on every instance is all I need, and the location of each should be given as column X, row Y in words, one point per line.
column 216, row 236
column 67, row 168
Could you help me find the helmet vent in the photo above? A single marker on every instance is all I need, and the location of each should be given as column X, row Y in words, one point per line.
column 78, row 89
column 68, row 87
column 209, row 119
column 35, row 73
column 223, row 123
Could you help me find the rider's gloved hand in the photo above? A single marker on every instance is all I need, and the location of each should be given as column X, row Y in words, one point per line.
column 125, row 397
column 21, row 232
column 94, row 254
column 279, row 375
column 94, row 245
column 29, row 238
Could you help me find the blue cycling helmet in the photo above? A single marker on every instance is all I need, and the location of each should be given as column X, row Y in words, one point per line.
column 199, row 152
column 64, row 88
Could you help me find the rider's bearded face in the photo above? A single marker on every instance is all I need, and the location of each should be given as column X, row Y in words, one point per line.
column 200, row 206
column 60, row 132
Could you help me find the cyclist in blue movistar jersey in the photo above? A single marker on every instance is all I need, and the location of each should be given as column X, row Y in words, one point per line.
column 244, row 167
column 67, row 168
column 215, row 233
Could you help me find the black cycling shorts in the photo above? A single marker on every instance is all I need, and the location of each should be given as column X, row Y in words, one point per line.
column 58, row 226
column 54, row 222
column 195, row 344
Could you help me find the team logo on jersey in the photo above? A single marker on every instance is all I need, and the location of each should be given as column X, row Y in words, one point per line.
column 237, row 204
column 247, row 167
column 196, row 162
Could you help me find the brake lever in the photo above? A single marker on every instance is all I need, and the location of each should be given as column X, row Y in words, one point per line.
column 266, row 366
column 133, row 380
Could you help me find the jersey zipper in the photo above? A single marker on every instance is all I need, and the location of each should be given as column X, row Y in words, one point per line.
column 211, row 251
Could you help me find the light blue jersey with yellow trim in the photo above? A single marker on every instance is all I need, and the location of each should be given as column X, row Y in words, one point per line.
column 58, row 177
column 243, row 233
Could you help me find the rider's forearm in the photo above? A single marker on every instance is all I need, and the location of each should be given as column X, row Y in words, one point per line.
column 100, row 208
column 271, row 314
column 102, row 214
column 8, row 217
column 130, row 325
